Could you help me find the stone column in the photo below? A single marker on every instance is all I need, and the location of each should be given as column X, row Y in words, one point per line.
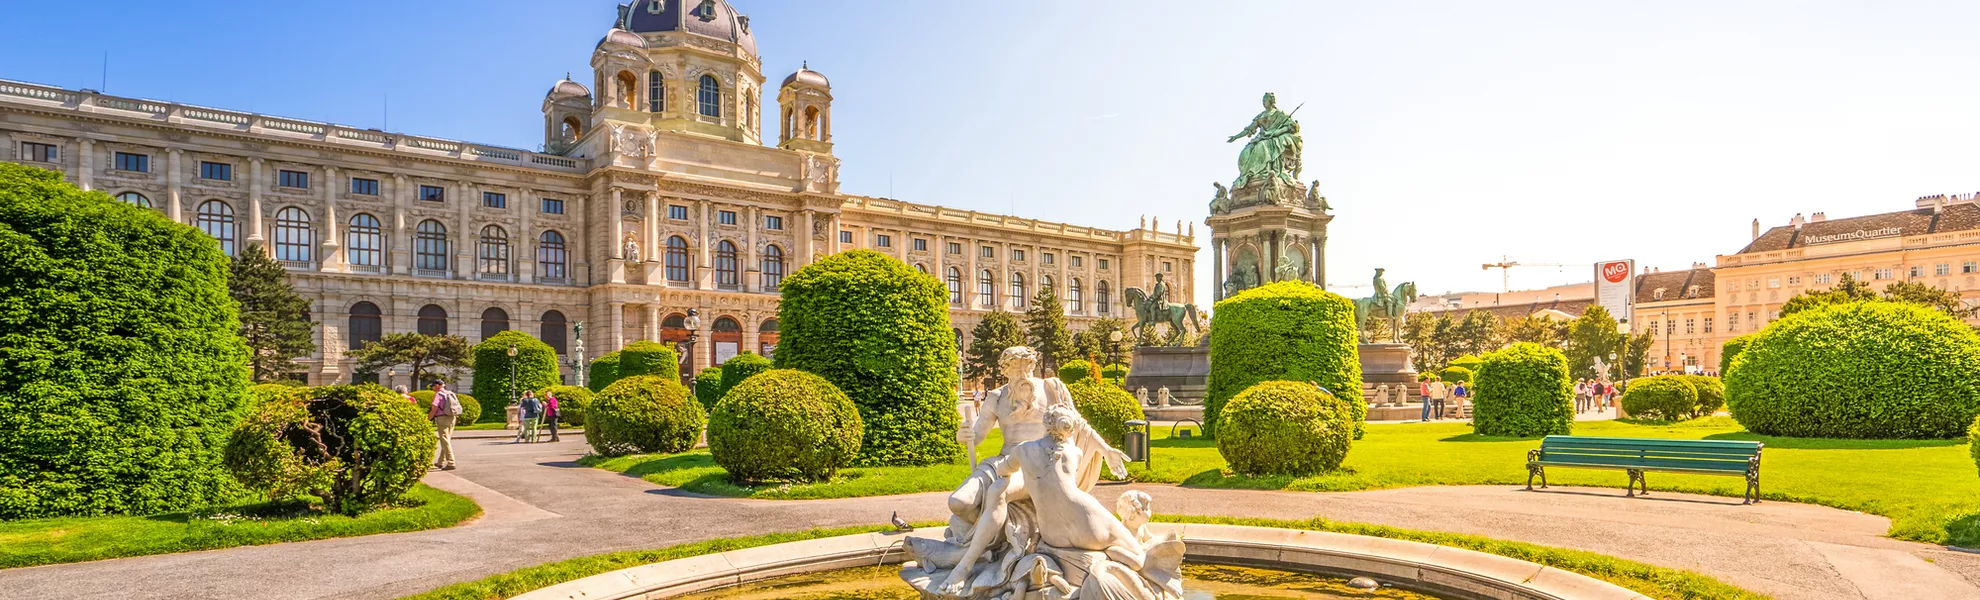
column 254, row 204
column 1004, row 270
column 969, row 274
column 704, row 276
column 617, row 323
column 335, row 338
column 650, row 247
column 749, row 273
column 400, row 243
column 85, row 163
column 526, row 241
column 615, row 248
column 174, row 182
column 803, row 240
column 652, row 324
column 832, row 234
column 464, row 252
column 332, row 260
column 1064, row 289
column 1320, row 260
column 941, row 271
column 1217, row 270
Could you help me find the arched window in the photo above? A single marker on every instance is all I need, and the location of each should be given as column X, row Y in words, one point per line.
column 1102, row 299
column 725, row 264
column 922, row 268
column 955, row 286
column 367, row 324
column 773, row 268
column 673, row 328
column 554, row 328
column 728, row 337
column 711, row 96
column 493, row 250
column 677, row 259
column 1044, row 283
column 1018, row 297
column 432, row 320
column 430, row 246
column 811, row 123
column 1075, row 297
column 986, row 289
column 493, row 321
column 766, row 338
column 135, row 199
column 551, row 257
column 293, row 236
column 749, row 111
column 656, row 93
column 366, row 241
column 216, row 218
column 573, row 129
column 628, row 90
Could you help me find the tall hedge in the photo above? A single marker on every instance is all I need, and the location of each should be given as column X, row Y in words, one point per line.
column 1075, row 371
column 1106, row 407
column 355, row 447
column 879, row 330
column 738, row 368
column 784, row 425
column 648, row 357
column 536, row 367
column 1664, row 397
column 1286, row 331
column 571, row 403
column 1287, row 428
column 1864, row 370
column 644, row 414
column 122, row 370
column 603, row 371
column 708, row 387
column 1730, row 351
column 1523, row 391
column 1973, row 441
column 1455, row 374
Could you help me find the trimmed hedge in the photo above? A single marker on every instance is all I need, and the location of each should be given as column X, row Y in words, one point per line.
column 645, row 414
column 263, row 392
column 1076, row 371
column 1467, row 361
column 122, row 368
column 1663, row 397
column 1116, row 373
column 1106, row 407
column 1711, row 394
column 1455, row 374
column 647, row 357
column 536, row 367
column 740, row 367
column 1290, row 331
column 602, row 372
column 879, row 330
column 470, row 407
column 1731, row 350
column 708, row 387
column 355, row 447
column 1523, row 391
column 1863, row 370
column 784, row 425
column 1973, row 441
column 571, row 403
column 1287, row 428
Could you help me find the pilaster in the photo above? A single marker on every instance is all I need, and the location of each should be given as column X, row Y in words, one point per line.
column 254, row 204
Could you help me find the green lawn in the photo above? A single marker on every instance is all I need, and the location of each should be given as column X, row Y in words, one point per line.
column 696, row 471
column 76, row 539
column 1656, row 582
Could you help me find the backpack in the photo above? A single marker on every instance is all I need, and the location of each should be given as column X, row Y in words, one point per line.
column 453, row 404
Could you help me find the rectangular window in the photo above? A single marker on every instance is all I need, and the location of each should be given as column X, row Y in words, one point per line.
column 677, row 212
column 1103, row 264
column 1917, row 271
column 1794, row 281
column 1732, row 322
column 494, row 200
column 883, row 240
column 553, row 206
column 432, row 193
column 1773, row 283
column 1017, row 255
column 1969, row 267
column 955, row 247
column 1824, row 278
column 1670, row 327
column 773, row 222
column 1753, row 319
column 987, row 252
column 138, row 163
column 36, row 152
column 726, row 217
column 1942, row 269
column 1077, row 261
column 364, row 187
column 1168, row 267
column 292, row 179
column 1708, row 324
column 216, row 171
column 920, row 245
column 845, row 237
column 1690, row 326
column 1046, row 257
column 1882, row 274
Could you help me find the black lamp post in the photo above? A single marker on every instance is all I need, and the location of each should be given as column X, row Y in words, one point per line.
column 693, row 325
column 1114, row 347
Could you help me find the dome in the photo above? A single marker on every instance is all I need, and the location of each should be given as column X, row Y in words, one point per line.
column 623, row 38
column 804, row 74
column 707, row 18
column 568, row 89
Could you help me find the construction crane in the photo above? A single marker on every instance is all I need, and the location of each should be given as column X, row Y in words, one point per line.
column 1505, row 267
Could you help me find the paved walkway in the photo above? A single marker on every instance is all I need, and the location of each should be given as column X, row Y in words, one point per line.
column 540, row 507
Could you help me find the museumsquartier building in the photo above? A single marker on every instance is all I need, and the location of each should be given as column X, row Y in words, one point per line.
column 655, row 194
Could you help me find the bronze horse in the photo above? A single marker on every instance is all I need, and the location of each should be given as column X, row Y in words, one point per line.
column 1146, row 315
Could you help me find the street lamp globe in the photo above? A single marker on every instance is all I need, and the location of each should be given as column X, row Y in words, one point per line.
column 512, row 350
column 1114, row 336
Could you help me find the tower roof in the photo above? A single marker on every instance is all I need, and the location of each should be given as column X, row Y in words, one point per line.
column 806, row 75
column 624, row 38
column 568, row 89
column 707, row 18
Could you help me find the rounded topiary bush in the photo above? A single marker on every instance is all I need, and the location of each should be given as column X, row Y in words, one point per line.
column 1467, row 361
column 535, row 367
column 1114, row 372
column 1287, row 428
column 470, row 408
column 121, row 362
column 602, row 372
column 647, row 357
column 1663, row 397
column 1106, row 407
column 263, row 392
column 741, row 367
column 879, row 330
column 1290, row 331
column 708, row 387
column 1973, row 441
column 1076, row 371
column 1523, row 391
column 1455, row 374
column 1865, row 370
column 571, row 403
column 1711, row 394
column 643, row 414
column 1731, row 351
column 784, row 425
column 355, row 447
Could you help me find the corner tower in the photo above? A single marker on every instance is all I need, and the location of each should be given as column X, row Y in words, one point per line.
column 805, row 121
column 680, row 65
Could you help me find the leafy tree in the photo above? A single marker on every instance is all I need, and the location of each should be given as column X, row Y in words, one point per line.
column 1478, row 333
column 1045, row 325
column 1417, row 330
column 1946, row 301
column 1847, row 289
column 997, row 331
column 422, row 353
column 274, row 319
column 1636, row 354
column 1535, row 329
column 1591, row 335
column 1103, row 332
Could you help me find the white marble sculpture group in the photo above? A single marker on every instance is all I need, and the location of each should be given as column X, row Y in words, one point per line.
column 1025, row 524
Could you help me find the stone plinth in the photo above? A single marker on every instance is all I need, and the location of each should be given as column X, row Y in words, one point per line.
column 1387, row 364
column 1185, row 371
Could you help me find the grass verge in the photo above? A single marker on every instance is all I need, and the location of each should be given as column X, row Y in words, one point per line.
column 76, row 539
column 696, row 471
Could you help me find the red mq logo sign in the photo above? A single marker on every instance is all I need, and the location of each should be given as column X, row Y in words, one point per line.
column 1615, row 272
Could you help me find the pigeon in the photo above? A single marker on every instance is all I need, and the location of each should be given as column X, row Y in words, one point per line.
column 899, row 523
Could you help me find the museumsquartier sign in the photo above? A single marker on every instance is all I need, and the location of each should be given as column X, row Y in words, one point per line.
column 1851, row 236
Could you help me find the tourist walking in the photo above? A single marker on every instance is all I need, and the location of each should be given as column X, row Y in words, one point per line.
column 1459, row 395
column 532, row 410
column 446, row 407
column 551, row 413
column 1580, row 396
column 1423, row 395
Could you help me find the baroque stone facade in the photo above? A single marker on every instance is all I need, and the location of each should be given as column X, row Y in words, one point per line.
column 652, row 197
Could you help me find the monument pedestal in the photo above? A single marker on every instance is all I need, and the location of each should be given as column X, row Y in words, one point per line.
column 1185, row 371
column 1387, row 365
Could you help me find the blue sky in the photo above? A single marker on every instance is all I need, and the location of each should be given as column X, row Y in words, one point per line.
column 1446, row 134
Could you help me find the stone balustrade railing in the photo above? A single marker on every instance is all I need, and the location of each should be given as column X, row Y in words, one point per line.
column 930, row 211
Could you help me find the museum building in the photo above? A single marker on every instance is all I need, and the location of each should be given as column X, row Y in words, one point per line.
column 654, row 194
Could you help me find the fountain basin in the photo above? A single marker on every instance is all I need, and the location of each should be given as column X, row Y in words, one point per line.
column 1438, row 570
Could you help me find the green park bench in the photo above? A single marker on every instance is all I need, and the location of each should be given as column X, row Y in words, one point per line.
column 1637, row 455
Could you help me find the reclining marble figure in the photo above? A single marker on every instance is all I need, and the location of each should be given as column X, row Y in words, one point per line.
column 1025, row 524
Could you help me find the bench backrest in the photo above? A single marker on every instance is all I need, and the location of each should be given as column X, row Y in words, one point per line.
column 1650, row 453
